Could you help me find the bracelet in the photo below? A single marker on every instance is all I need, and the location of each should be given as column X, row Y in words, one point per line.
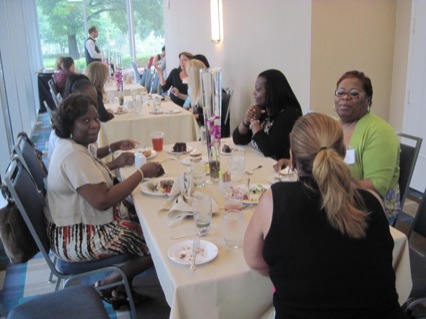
column 140, row 171
column 246, row 125
column 252, row 123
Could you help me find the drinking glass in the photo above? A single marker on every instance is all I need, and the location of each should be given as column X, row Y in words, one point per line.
column 157, row 140
column 202, row 210
column 233, row 228
column 237, row 165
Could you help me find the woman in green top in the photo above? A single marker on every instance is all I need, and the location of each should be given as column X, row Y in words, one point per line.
column 372, row 146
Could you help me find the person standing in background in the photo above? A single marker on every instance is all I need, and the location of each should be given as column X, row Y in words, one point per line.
column 91, row 50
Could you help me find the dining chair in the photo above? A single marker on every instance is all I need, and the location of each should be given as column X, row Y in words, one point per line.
column 32, row 159
column 143, row 76
column 137, row 74
column 81, row 302
column 30, row 202
column 417, row 244
column 148, row 81
column 54, row 92
column 410, row 148
column 155, row 85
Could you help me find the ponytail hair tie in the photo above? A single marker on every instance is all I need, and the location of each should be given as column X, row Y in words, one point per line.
column 323, row 148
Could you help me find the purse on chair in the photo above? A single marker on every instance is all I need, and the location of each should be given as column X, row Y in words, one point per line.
column 18, row 243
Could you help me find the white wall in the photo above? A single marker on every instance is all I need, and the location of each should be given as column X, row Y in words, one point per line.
column 258, row 35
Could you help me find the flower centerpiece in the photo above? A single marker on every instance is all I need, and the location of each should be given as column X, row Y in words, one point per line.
column 118, row 77
column 211, row 101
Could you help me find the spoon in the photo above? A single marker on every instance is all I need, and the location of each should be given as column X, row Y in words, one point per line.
column 201, row 233
column 250, row 172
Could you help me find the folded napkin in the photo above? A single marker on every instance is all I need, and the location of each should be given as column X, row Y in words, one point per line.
column 179, row 203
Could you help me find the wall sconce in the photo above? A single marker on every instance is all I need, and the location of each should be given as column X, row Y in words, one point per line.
column 216, row 20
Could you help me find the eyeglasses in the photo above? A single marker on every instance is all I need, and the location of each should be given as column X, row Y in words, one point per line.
column 353, row 94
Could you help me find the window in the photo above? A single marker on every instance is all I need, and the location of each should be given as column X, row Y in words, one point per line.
column 62, row 29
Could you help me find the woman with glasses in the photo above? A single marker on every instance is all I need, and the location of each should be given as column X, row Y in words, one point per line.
column 269, row 121
column 372, row 145
column 324, row 243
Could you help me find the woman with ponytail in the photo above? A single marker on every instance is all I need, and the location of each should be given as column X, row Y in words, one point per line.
column 325, row 244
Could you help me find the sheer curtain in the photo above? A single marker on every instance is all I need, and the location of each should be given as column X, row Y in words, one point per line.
column 21, row 57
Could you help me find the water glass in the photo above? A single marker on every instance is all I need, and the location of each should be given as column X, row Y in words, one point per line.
column 111, row 97
column 198, row 171
column 157, row 104
column 237, row 165
column 233, row 228
column 202, row 210
column 203, row 134
column 137, row 105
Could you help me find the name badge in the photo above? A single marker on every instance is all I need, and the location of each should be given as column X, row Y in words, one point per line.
column 350, row 156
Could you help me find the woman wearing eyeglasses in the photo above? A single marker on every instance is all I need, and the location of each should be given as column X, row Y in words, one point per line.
column 372, row 145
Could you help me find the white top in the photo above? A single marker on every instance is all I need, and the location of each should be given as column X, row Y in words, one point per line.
column 90, row 46
column 71, row 167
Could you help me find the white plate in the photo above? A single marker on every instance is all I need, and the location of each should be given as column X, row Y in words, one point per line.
column 138, row 150
column 282, row 178
column 187, row 160
column 155, row 181
column 181, row 252
column 173, row 111
column 170, row 150
column 255, row 196
column 124, row 111
column 285, row 176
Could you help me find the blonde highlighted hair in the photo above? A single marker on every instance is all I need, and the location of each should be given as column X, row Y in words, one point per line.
column 317, row 147
column 193, row 68
column 98, row 73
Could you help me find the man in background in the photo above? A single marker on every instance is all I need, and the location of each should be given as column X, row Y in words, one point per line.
column 91, row 49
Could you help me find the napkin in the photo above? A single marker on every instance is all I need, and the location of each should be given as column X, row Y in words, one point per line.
column 179, row 203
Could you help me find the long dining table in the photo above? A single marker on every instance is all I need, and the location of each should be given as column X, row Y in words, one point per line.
column 225, row 287
column 177, row 123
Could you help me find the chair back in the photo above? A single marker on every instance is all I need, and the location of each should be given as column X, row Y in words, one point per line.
column 419, row 223
column 155, row 86
column 148, row 81
column 225, row 118
column 137, row 75
column 54, row 92
column 143, row 77
column 30, row 202
column 32, row 160
column 410, row 148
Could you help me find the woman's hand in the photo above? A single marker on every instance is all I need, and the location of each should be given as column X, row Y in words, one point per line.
column 152, row 169
column 124, row 159
column 126, row 144
column 174, row 91
column 281, row 163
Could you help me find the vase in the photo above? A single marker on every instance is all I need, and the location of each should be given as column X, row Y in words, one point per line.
column 211, row 102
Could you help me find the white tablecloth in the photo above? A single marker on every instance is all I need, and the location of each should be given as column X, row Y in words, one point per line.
column 111, row 86
column 226, row 287
column 178, row 127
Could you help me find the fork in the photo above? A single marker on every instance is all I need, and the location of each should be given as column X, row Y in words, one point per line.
column 195, row 250
column 250, row 172
column 170, row 158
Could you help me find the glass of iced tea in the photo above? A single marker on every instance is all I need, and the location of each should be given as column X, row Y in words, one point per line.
column 157, row 139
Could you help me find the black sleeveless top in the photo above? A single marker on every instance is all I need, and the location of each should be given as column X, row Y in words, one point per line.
column 320, row 273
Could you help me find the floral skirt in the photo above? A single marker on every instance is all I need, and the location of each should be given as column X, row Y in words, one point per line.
column 80, row 242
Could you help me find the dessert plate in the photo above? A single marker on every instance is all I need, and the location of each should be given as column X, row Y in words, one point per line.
column 181, row 252
column 170, row 150
column 187, row 160
column 157, row 186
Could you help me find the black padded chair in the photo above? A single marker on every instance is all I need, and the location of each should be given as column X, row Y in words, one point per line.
column 32, row 160
column 410, row 148
column 30, row 202
column 54, row 93
column 417, row 242
column 148, row 81
column 80, row 302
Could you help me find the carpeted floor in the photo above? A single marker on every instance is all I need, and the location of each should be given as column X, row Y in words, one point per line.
column 23, row 281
